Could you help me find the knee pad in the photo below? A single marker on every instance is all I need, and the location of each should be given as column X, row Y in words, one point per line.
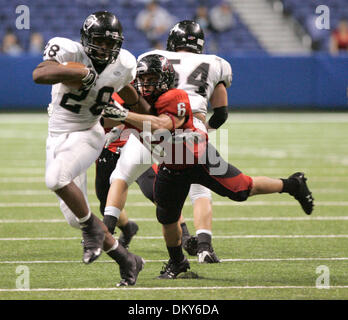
column 241, row 196
column 198, row 191
column 55, row 177
column 165, row 217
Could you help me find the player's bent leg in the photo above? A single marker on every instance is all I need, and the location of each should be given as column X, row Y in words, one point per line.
column 203, row 224
column 172, row 234
column 129, row 263
column 145, row 182
column 93, row 235
column 265, row 185
column 129, row 167
column 129, row 229
column 105, row 165
column 177, row 263
column 115, row 202
column 296, row 186
column 69, row 156
column 170, row 192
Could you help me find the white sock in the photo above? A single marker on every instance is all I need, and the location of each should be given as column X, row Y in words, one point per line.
column 84, row 219
column 114, row 247
column 112, row 211
column 204, row 231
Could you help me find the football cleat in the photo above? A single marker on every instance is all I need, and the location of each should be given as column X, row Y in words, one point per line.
column 126, row 237
column 303, row 194
column 207, row 256
column 190, row 244
column 171, row 269
column 93, row 238
column 130, row 270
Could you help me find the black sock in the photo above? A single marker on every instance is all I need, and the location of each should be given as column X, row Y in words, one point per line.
column 289, row 185
column 126, row 228
column 110, row 222
column 119, row 254
column 176, row 254
column 185, row 232
column 204, row 241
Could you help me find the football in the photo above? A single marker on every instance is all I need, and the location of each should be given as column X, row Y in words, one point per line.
column 75, row 84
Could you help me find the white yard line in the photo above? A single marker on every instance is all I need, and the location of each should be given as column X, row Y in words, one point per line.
column 40, row 192
column 191, row 260
column 42, row 179
column 169, row 288
column 250, row 236
column 304, row 218
column 18, row 171
column 149, row 204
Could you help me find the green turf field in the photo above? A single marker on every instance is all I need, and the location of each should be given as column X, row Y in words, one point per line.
column 269, row 248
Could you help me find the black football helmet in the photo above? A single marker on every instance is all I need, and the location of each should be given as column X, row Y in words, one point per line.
column 160, row 66
column 186, row 35
column 105, row 26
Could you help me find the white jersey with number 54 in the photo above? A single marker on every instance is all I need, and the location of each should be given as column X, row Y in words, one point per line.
column 75, row 110
column 197, row 74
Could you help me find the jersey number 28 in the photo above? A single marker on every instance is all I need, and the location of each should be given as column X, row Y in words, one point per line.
column 103, row 97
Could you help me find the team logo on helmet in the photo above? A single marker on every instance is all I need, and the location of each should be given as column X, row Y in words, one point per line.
column 90, row 21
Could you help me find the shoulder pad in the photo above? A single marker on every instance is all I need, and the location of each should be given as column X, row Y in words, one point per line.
column 62, row 50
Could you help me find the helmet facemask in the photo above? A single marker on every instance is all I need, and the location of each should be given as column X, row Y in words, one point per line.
column 154, row 71
column 99, row 53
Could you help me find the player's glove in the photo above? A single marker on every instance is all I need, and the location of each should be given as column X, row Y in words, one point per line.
column 115, row 111
column 112, row 136
column 89, row 80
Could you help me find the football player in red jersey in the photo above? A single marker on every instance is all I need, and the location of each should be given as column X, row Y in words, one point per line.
column 196, row 161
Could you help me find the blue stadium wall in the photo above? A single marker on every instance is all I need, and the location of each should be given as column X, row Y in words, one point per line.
column 259, row 82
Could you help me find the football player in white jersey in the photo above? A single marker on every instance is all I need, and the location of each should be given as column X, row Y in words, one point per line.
column 205, row 79
column 75, row 135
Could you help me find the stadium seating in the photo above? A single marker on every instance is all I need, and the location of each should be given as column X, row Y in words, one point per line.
column 65, row 17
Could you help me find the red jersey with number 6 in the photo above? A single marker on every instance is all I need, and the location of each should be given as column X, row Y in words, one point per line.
column 183, row 146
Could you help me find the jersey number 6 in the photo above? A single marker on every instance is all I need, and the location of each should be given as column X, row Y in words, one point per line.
column 181, row 109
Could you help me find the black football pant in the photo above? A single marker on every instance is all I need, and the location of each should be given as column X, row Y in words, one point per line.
column 171, row 187
column 105, row 165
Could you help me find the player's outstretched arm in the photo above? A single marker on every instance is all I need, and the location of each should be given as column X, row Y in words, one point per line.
column 51, row 72
column 133, row 101
column 163, row 121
